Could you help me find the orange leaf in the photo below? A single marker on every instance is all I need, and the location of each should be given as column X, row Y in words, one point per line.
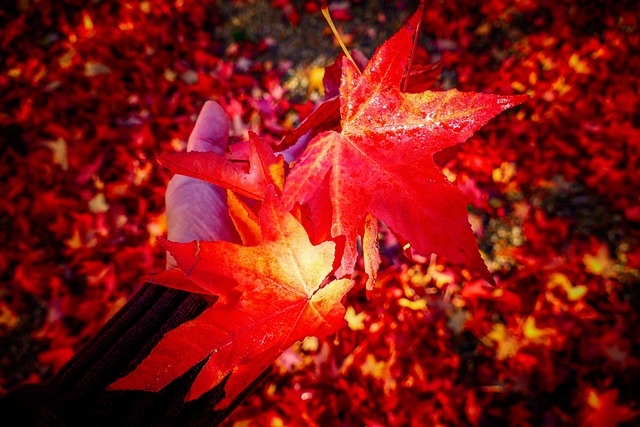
column 283, row 299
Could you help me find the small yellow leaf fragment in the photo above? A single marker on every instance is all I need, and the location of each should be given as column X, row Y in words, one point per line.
column 507, row 346
column 157, row 227
column 276, row 174
column 599, row 264
column 316, row 76
column 561, row 86
column 8, row 319
column 88, row 23
column 310, row 344
column 277, row 422
column 75, row 241
column 530, row 330
column 574, row 293
column 66, row 60
column 593, row 399
column 518, row 86
column 417, row 305
column 94, row 68
column 59, row 150
column 580, row 66
column 170, row 75
column 145, row 7
column 504, row 173
column 354, row 320
column 374, row 368
column 98, row 204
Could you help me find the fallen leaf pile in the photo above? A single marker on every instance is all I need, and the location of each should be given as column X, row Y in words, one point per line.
column 93, row 93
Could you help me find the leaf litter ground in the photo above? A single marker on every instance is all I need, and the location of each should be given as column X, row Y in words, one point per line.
column 553, row 190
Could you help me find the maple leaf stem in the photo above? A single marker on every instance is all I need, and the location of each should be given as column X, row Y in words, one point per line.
column 413, row 48
column 327, row 17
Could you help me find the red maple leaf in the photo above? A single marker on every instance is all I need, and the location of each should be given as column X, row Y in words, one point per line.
column 264, row 168
column 283, row 299
column 381, row 162
column 604, row 410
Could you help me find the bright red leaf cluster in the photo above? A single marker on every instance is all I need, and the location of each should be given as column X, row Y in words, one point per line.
column 91, row 94
column 379, row 166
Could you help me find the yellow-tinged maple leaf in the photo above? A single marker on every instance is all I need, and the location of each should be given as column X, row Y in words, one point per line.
column 507, row 345
column 283, row 299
